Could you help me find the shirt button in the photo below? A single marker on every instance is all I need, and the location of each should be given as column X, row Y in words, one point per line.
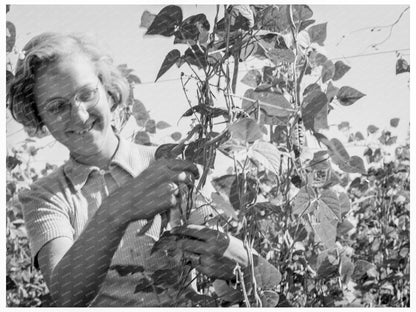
column 102, row 172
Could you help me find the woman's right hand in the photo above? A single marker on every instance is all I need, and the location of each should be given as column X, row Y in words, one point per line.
column 155, row 190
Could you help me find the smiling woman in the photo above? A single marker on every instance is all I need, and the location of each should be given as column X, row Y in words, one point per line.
column 84, row 218
column 68, row 85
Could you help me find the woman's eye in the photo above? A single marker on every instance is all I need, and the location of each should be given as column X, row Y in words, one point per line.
column 86, row 95
column 56, row 106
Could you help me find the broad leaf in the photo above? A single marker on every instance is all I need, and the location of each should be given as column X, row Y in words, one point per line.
column 321, row 119
column 372, row 129
column 358, row 136
column 268, row 74
column 328, row 71
column 347, row 95
column 252, row 78
column 221, row 203
column 394, row 122
column 320, row 161
column 248, row 50
column 225, row 292
column 327, row 263
column 12, row 162
column 166, row 21
column 329, row 206
column 345, row 203
column 304, row 202
column 273, row 18
column 223, row 186
column 230, row 188
column 191, row 28
column 147, row 19
column 326, row 232
column 245, row 131
column 331, row 91
column 361, row 268
column 313, row 104
column 140, row 113
column 340, row 70
column 346, row 270
column 310, row 88
column 133, row 79
column 273, row 104
column 338, row 153
column 317, row 59
column 267, row 154
column 150, row 126
column 277, row 56
column 280, row 134
column 305, row 24
column 162, row 125
column 354, row 165
column 317, row 33
column 142, row 137
column 344, row 227
column 301, row 13
column 10, row 36
column 195, row 55
column 402, row 66
column 171, row 58
column 345, row 125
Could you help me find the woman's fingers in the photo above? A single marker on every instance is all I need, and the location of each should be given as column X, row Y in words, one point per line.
column 162, row 198
column 180, row 165
column 185, row 177
column 211, row 265
column 216, row 238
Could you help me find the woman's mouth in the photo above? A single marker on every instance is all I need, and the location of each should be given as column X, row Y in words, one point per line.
column 84, row 130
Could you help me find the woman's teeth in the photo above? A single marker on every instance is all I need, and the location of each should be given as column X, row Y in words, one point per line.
column 85, row 130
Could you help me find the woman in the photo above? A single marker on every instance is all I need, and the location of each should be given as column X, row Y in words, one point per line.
column 83, row 219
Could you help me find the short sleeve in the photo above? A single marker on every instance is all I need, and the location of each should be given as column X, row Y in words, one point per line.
column 46, row 218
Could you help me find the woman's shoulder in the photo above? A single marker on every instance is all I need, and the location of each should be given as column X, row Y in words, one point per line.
column 52, row 184
column 50, row 180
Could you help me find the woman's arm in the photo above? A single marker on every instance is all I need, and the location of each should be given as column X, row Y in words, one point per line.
column 75, row 271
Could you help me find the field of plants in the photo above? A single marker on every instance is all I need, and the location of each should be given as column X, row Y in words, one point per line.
column 336, row 226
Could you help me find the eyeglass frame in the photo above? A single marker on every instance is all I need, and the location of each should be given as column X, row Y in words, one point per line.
column 73, row 101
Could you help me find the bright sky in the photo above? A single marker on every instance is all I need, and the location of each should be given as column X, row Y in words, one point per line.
column 387, row 95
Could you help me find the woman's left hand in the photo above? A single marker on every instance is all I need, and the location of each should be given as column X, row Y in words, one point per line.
column 211, row 252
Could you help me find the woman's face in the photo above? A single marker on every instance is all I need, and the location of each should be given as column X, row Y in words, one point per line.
column 85, row 129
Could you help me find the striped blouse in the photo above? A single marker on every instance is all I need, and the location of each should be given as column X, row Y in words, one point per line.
column 61, row 204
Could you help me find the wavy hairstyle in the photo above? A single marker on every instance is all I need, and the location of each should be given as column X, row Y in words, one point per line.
column 49, row 48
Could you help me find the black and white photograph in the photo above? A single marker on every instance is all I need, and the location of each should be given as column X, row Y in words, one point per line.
column 207, row 155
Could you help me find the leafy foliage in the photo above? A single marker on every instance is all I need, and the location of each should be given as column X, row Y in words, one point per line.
column 335, row 228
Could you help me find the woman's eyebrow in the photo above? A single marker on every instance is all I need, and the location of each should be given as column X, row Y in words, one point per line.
column 89, row 84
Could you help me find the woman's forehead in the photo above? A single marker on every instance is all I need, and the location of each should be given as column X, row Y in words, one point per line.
column 76, row 69
column 64, row 77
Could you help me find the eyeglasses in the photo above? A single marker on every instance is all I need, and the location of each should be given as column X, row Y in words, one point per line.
column 59, row 107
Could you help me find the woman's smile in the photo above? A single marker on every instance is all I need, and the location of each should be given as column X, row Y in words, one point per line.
column 84, row 126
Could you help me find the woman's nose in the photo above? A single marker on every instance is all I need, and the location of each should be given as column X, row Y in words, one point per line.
column 79, row 113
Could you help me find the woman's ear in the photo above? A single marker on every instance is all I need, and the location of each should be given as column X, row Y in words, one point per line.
column 112, row 98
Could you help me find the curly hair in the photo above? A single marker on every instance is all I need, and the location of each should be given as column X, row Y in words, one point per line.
column 49, row 48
